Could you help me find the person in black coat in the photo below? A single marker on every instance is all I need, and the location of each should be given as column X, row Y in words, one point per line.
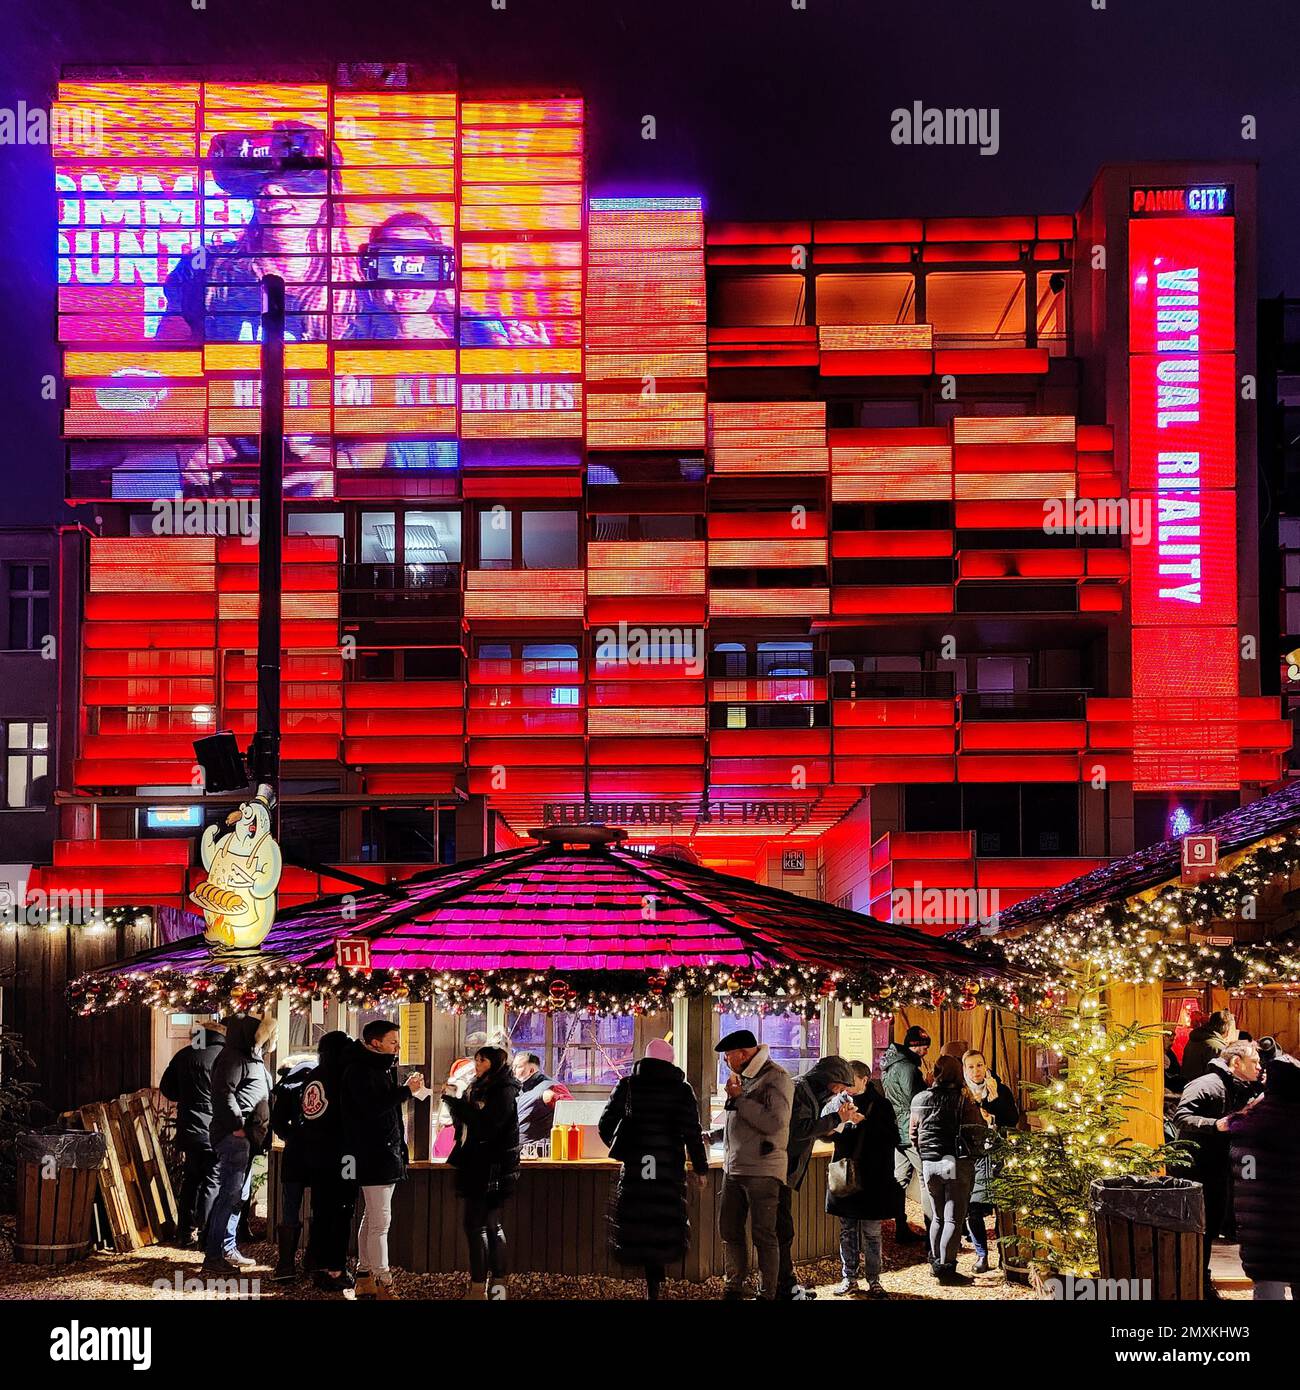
column 1265, row 1144
column 375, row 1145
column 187, row 1083
column 651, row 1124
column 314, row 1153
column 861, row 1189
column 998, row 1110
column 1202, row 1117
column 486, row 1159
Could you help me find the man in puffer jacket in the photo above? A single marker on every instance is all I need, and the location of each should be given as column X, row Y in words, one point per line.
column 240, row 1128
column 902, row 1078
column 810, row 1119
column 1265, row 1141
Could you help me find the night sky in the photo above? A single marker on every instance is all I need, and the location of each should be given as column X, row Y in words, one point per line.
column 766, row 110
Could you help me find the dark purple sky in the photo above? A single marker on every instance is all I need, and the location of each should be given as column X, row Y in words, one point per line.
column 766, row 110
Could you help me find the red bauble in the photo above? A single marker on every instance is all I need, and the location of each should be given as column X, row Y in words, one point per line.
column 827, row 987
column 937, row 996
column 559, row 990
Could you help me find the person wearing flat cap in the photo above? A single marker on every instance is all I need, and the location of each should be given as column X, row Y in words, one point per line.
column 756, row 1137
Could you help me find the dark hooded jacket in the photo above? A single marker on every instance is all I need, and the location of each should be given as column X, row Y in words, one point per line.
column 315, row 1144
column 241, row 1083
column 1203, row 1045
column 374, row 1129
column 653, row 1114
column 187, row 1082
column 807, row 1123
column 871, row 1145
column 902, row 1080
column 486, row 1153
column 1265, row 1142
column 1201, row 1105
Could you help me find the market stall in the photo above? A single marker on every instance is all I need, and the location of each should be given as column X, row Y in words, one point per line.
column 592, row 941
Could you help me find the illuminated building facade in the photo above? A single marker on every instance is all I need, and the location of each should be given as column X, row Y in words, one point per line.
column 896, row 562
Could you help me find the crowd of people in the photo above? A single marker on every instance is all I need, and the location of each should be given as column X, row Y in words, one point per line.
column 1236, row 1102
column 340, row 1118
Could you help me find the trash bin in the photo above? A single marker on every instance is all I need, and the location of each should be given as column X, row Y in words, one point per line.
column 1152, row 1231
column 58, row 1176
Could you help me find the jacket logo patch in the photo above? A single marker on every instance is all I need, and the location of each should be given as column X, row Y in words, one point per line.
column 314, row 1100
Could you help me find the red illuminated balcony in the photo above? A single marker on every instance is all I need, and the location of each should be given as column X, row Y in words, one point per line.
column 525, row 593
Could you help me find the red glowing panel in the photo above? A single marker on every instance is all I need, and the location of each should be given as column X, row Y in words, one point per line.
column 1182, row 414
column 1181, row 282
column 1186, row 573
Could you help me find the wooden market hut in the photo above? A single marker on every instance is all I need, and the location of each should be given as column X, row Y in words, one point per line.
column 578, row 926
column 1175, row 943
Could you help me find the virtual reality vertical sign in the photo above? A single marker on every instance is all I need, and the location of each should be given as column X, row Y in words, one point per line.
column 1183, row 467
column 428, row 270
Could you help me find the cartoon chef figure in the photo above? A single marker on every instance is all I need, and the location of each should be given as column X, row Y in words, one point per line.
column 238, row 898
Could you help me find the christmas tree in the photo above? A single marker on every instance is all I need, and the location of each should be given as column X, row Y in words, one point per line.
column 1043, row 1175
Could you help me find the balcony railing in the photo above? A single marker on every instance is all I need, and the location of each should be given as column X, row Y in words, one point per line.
column 401, row 578
column 1024, row 704
column 904, row 685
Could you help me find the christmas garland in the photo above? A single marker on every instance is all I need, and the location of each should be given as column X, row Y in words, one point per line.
column 1146, row 940
column 256, row 984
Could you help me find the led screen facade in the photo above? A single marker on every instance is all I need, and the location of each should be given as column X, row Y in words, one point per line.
column 432, row 252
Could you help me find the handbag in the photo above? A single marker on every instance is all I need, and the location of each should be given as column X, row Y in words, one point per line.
column 622, row 1130
column 843, row 1178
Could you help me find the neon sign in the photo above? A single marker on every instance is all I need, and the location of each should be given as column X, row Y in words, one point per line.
column 1182, row 464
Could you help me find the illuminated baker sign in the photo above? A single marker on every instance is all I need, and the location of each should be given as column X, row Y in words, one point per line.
column 1182, row 469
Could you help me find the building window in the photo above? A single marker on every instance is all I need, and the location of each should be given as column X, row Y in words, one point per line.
column 27, row 764
column 531, row 540
column 576, row 1048
column 29, row 606
column 795, row 1042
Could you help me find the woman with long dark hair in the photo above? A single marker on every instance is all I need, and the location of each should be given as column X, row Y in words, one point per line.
column 939, row 1122
column 486, row 1159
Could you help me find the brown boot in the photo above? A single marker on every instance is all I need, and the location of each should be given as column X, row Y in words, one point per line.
column 366, row 1286
column 385, row 1292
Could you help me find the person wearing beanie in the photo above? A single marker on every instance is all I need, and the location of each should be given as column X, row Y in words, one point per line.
column 902, row 1078
column 760, row 1094
column 812, row 1117
column 1265, row 1145
column 652, row 1126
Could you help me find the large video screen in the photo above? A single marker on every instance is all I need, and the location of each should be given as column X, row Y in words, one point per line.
column 431, row 247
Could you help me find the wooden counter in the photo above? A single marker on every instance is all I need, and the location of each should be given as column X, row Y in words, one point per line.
column 558, row 1220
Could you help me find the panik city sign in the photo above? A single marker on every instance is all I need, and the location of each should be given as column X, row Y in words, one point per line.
column 1183, row 466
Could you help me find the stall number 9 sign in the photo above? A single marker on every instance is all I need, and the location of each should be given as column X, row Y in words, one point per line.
column 352, row 953
column 1200, row 857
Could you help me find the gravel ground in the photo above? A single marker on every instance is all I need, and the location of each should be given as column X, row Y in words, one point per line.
column 161, row 1272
